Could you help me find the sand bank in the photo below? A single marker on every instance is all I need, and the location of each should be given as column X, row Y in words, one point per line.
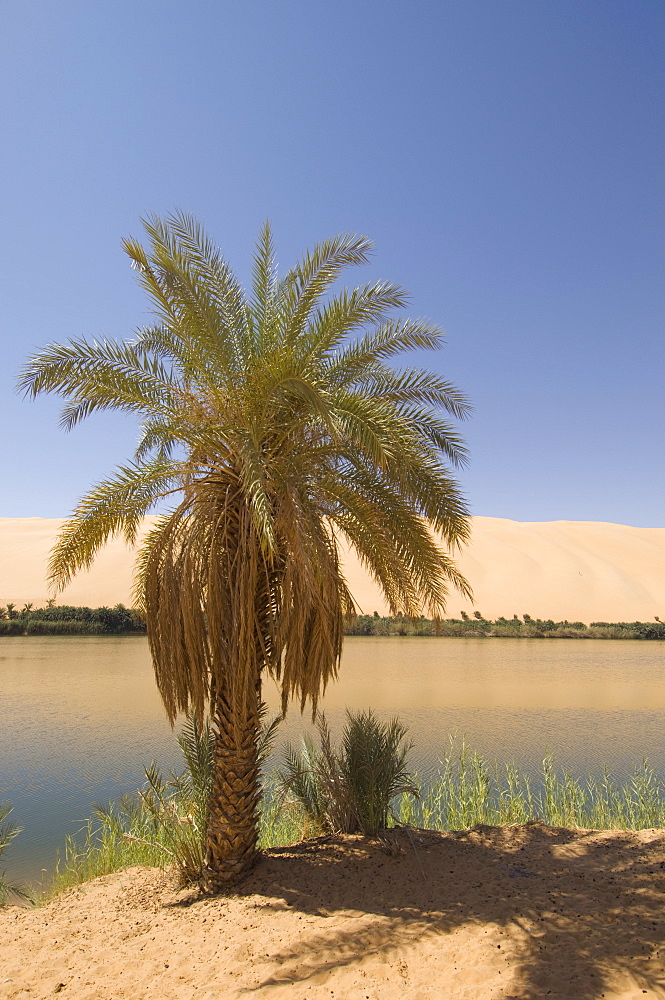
column 515, row 912
column 575, row 570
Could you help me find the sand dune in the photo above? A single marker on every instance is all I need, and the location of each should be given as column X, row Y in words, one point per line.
column 576, row 570
column 526, row 913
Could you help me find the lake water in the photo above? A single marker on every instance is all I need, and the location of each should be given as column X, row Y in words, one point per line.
column 82, row 716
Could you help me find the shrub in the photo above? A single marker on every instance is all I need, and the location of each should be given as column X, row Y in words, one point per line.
column 530, row 628
column 100, row 620
column 374, row 755
column 314, row 775
column 63, row 628
column 351, row 788
column 11, row 627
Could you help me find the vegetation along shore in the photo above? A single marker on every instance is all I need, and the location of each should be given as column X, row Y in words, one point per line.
column 362, row 783
column 119, row 620
column 480, row 881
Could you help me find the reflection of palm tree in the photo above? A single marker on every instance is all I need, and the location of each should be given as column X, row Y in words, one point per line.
column 278, row 436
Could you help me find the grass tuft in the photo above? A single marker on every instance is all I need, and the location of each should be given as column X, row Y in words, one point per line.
column 7, row 833
column 470, row 790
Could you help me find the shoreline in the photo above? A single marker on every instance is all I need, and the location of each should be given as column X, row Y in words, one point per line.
column 353, row 635
column 497, row 912
column 382, row 628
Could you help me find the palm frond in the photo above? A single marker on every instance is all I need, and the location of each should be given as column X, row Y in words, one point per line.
column 102, row 375
column 417, row 385
column 158, row 438
column 266, row 736
column 351, row 363
column 116, row 505
column 264, row 281
column 347, row 311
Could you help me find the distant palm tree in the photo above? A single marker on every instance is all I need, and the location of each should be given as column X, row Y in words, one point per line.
column 277, row 436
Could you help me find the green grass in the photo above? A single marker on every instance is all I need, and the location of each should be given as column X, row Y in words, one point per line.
column 470, row 790
column 126, row 834
column 8, row 831
column 467, row 790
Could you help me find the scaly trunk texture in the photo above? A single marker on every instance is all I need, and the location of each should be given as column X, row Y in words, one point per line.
column 232, row 819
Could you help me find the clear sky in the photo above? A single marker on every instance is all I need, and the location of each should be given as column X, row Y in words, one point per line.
column 506, row 156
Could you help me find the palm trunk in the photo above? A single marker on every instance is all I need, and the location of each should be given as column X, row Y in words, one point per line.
column 231, row 845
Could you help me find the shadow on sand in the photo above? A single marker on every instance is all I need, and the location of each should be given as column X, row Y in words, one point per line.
column 579, row 913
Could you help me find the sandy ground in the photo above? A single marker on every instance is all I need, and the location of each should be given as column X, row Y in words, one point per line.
column 514, row 912
column 574, row 570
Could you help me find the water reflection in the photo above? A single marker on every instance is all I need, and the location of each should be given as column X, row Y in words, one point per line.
column 81, row 716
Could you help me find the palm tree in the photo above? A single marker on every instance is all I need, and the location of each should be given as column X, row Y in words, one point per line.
column 276, row 435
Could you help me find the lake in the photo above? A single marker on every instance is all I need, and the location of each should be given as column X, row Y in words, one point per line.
column 82, row 716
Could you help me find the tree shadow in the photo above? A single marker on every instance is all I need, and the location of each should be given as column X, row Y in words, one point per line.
column 576, row 911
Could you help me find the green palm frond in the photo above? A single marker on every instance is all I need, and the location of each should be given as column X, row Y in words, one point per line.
column 264, row 282
column 187, row 259
column 197, row 743
column 158, row 438
column 116, row 505
column 305, row 284
column 417, row 385
column 353, row 362
column 266, row 736
column 347, row 311
column 438, row 433
column 102, row 375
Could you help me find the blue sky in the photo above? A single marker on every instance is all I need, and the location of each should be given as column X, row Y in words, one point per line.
column 506, row 156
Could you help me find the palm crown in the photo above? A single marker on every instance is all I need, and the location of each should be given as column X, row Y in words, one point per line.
column 276, row 435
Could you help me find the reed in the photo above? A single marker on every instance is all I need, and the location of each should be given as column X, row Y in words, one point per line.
column 8, row 831
column 126, row 833
column 467, row 790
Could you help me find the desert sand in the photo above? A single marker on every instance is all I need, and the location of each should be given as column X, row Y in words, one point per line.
column 567, row 570
column 497, row 912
